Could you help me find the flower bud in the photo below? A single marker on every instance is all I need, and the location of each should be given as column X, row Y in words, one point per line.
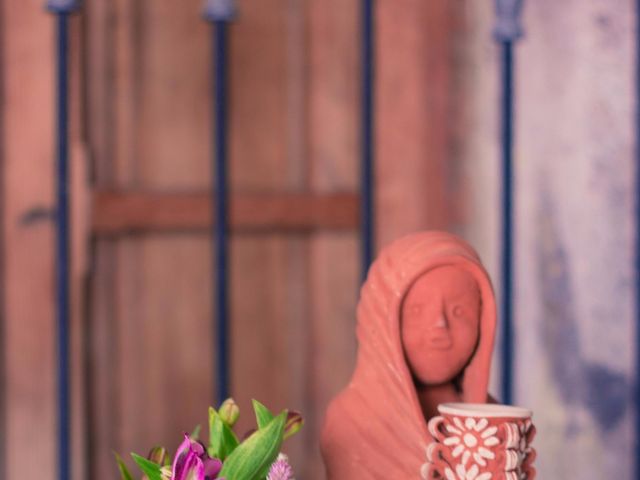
column 293, row 424
column 158, row 455
column 229, row 412
column 165, row 472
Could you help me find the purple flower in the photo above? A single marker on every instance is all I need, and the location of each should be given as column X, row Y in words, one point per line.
column 280, row 470
column 193, row 463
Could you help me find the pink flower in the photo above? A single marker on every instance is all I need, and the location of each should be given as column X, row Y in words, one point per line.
column 280, row 470
column 192, row 462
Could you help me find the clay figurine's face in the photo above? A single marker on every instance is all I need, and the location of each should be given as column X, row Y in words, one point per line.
column 440, row 324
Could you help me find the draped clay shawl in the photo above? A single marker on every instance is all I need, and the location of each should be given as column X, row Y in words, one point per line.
column 375, row 428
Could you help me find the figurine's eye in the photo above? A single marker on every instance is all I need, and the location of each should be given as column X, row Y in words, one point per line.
column 458, row 310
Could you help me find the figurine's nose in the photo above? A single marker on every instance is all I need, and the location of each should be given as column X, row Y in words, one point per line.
column 441, row 321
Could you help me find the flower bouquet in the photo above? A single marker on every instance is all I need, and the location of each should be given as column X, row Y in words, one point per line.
column 225, row 457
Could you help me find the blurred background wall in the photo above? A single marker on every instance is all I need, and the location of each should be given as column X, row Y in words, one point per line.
column 142, row 325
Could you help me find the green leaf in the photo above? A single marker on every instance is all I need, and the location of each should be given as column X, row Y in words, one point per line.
column 222, row 440
column 252, row 459
column 124, row 472
column 214, row 434
column 195, row 434
column 263, row 415
column 150, row 469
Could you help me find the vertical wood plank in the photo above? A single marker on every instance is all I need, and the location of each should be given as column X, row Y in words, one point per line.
column 414, row 121
column 80, row 242
column 296, row 292
column 269, row 307
column 102, row 359
column 99, row 52
column 102, row 362
column 125, row 18
column 333, row 133
column 4, row 414
column 27, row 114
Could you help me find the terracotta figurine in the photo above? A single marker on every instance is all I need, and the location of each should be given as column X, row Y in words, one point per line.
column 426, row 323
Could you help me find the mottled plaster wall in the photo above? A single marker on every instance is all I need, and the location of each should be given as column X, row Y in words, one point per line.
column 574, row 216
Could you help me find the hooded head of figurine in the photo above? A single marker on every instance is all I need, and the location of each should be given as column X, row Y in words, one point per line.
column 426, row 317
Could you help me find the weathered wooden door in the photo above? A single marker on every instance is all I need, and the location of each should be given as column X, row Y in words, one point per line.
column 142, row 325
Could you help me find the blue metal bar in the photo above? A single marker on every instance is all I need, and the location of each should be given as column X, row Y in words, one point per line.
column 220, row 13
column 62, row 258
column 221, row 210
column 367, row 161
column 507, row 223
column 62, row 10
column 507, row 30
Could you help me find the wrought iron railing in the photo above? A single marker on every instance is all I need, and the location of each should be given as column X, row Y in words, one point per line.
column 62, row 9
column 367, row 134
column 506, row 32
column 220, row 12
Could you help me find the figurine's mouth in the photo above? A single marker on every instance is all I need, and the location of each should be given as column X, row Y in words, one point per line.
column 440, row 342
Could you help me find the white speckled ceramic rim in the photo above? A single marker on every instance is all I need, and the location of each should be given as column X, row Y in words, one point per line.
column 485, row 410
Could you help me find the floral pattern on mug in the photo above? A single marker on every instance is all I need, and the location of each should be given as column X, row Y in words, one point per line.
column 478, row 448
column 471, row 439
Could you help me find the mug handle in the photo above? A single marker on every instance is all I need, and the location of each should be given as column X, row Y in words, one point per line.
column 530, row 473
column 508, row 460
column 510, row 432
column 530, row 457
column 437, row 461
column 437, row 452
column 530, row 432
column 432, row 471
column 435, row 428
